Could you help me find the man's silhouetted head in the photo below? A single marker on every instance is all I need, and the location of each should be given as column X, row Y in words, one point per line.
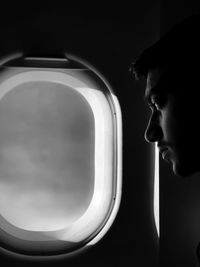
column 172, row 72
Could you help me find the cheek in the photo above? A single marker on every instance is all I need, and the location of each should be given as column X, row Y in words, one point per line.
column 181, row 127
column 170, row 125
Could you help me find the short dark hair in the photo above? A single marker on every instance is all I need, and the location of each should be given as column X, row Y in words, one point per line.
column 178, row 50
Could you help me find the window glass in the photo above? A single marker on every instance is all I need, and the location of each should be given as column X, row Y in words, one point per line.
column 60, row 156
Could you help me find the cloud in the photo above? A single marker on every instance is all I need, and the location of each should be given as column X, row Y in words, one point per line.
column 46, row 157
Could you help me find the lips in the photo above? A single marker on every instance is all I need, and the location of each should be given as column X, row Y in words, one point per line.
column 164, row 151
column 165, row 154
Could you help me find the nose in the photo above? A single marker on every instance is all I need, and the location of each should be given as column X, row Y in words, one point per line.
column 153, row 132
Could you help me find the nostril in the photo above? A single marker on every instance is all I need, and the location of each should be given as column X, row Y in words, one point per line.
column 148, row 136
column 149, row 132
column 153, row 133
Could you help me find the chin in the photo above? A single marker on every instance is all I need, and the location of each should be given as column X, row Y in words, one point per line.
column 183, row 170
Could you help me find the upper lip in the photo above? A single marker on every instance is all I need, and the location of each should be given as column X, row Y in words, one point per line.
column 162, row 149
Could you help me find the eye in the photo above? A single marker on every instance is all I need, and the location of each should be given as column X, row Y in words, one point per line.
column 157, row 101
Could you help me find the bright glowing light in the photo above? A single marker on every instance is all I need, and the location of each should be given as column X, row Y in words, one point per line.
column 156, row 191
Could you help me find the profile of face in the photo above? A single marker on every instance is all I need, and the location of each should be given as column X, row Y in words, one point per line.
column 174, row 121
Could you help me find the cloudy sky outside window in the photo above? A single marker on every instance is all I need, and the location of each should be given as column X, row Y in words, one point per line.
column 46, row 156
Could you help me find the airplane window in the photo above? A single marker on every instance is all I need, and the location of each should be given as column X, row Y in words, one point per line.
column 60, row 156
